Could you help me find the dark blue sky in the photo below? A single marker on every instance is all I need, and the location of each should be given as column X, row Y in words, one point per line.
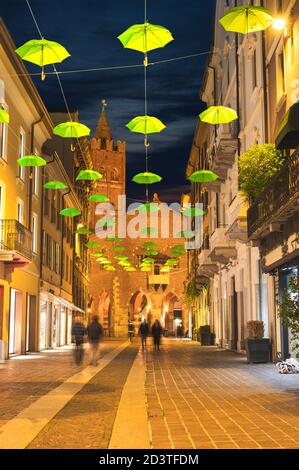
column 89, row 30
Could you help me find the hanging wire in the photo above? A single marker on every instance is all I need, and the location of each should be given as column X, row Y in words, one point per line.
column 145, row 63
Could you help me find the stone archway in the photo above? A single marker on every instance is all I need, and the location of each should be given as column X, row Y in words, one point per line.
column 139, row 309
column 104, row 312
column 172, row 313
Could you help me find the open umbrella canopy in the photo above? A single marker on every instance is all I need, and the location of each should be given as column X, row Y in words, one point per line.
column 150, row 245
column 178, row 248
column 83, row 231
column 70, row 212
column 4, row 116
column 148, row 260
column 121, row 257
column 55, row 184
column 218, row 115
column 165, row 270
column 246, row 19
column 146, row 125
column 145, row 37
column 31, row 160
column 109, row 268
column 146, row 269
column 149, row 207
column 119, row 248
column 148, row 231
column 203, row 176
column 89, row 175
column 97, row 254
column 152, row 252
column 113, row 239
column 193, row 212
column 98, row 198
column 105, row 222
column 92, row 245
column 71, row 130
column 186, row 234
column 146, row 178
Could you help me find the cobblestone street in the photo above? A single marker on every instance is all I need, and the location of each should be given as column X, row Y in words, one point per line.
column 188, row 396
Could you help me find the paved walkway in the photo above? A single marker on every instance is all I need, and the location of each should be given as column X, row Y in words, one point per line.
column 182, row 397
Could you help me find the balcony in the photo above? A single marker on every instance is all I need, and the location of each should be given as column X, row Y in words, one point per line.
column 206, row 267
column 15, row 244
column 222, row 249
column 223, row 155
column 237, row 220
column 277, row 203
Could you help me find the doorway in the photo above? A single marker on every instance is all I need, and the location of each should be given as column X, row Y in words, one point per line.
column 15, row 322
column 235, row 320
column 31, row 323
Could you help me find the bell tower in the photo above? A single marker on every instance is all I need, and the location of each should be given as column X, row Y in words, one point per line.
column 108, row 158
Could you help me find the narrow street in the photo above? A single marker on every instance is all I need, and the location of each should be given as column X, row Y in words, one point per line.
column 186, row 396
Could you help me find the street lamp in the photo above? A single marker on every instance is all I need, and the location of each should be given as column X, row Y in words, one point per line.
column 279, row 24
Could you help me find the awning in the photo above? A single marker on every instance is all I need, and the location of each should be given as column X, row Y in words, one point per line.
column 60, row 300
column 288, row 132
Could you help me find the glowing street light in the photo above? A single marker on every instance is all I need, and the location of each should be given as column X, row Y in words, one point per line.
column 279, row 24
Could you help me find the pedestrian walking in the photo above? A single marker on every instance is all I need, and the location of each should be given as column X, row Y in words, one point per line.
column 143, row 332
column 95, row 333
column 78, row 332
column 157, row 331
column 131, row 331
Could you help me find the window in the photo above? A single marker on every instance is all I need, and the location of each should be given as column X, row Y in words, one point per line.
column 20, row 214
column 280, row 76
column 114, row 174
column 254, row 70
column 21, row 154
column 66, row 268
column 3, row 133
column 57, row 258
column 34, row 233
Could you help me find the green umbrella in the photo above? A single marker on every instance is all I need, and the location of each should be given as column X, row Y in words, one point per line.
column 31, row 160
column 105, row 222
column 193, row 212
column 92, row 245
column 55, row 185
column 42, row 52
column 152, row 252
column 146, row 125
column 145, row 37
column 203, row 176
column 97, row 254
column 246, row 19
column 71, row 130
column 83, row 231
column 186, row 234
column 119, row 248
column 148, row 260
column 70, row 212
column 105, row 261
column 148, row 231
column 146, row 178
column 89, row 175
column 218, row 115
column 109, row 268
column 150, row 245
column 4, row 116
column 113, row 239
column 149, row 207
column 178, row 248
column 121, row 257
column 98, row 198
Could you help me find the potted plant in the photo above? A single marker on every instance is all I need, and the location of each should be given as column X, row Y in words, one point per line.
column 257, row 347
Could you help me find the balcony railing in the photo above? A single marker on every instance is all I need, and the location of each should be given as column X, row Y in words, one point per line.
column 278, row 200
column 15, row 237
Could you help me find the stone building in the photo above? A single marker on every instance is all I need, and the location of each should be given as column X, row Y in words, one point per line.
column 119, row 296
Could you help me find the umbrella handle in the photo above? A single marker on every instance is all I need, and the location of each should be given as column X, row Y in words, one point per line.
column 43, row 75
column 146, row 143
column 145, row 62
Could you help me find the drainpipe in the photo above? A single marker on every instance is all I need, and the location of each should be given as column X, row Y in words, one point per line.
column 265, row 82
column 30, row 173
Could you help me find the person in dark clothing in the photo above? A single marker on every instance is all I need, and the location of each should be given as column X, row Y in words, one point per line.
column 157, row 333
column 143, row 332
column 78, row 332
column 95, row 333
column 131, row 331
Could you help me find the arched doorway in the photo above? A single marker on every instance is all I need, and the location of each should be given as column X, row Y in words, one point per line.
column 139, row 309
column 172, row 314
column 104, row 312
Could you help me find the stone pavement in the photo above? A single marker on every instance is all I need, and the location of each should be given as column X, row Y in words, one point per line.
column 210, row 398
column 185, row 396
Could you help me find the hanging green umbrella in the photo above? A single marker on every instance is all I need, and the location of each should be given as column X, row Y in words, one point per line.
column 193, row 212
column 89, row 175
column 83, row 231
column 203, row 176
column 121, row 257
column 105, row 222
column 148, row 260
column 146, row 125
column 98, row 198
column 246, row 19
column 178, row 248
column 71, row 130
column 113, row 239
column 97, row 254
column 186, row 234
column 4, row 116
column 146, row 178
column 105, row 262
column 31, row 160
column 165, row 270
column 92, row 245
column 109, row 268
column 149, row 207
column 148, row 231
column 145, row 37
column 146, row 269
column 42, row 52
column 55, row 185
column 70, row 212
column 152, row 252
column 119, row 248
column 150, row 245
column 218, row 115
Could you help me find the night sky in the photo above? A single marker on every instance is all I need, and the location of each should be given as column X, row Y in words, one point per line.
column 89, row 29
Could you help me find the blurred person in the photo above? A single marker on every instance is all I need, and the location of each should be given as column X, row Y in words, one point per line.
column 78, row 332
column 95, row 333
column 131, row 331
column 143, row 332
column 157, row 333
